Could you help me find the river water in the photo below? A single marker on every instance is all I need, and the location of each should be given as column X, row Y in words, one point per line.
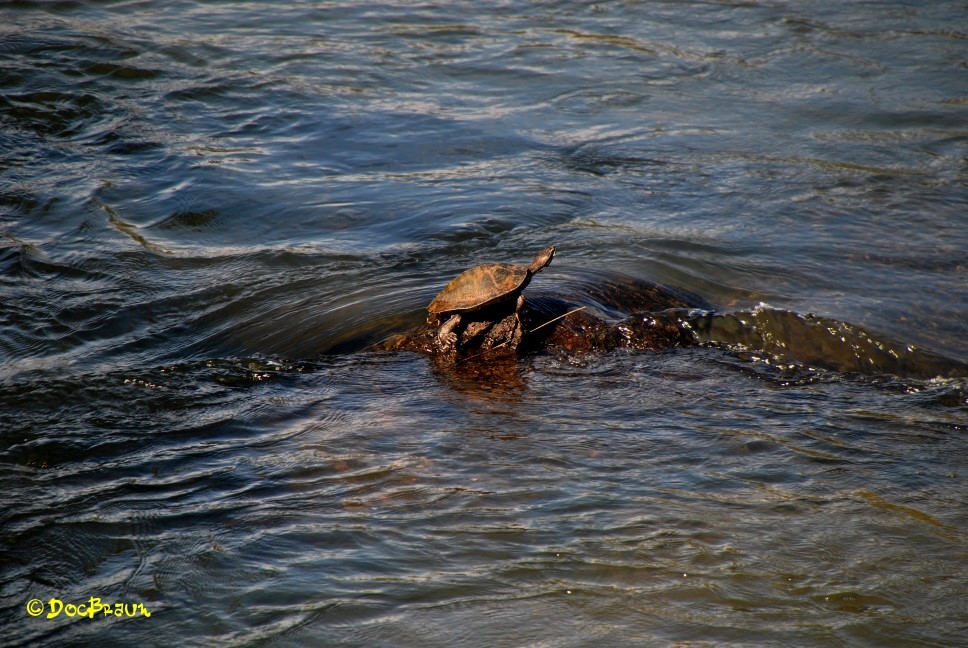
column 208, row 210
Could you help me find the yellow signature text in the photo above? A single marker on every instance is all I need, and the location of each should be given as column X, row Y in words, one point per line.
column 93, row 607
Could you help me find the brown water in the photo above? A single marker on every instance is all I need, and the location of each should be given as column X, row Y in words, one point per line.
column 209, row 209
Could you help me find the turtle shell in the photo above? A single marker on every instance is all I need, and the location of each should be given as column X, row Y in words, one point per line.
column 479, row 287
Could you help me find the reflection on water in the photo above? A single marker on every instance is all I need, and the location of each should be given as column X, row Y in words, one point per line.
column 208, row 212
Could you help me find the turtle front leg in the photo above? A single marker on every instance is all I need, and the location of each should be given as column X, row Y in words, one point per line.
column 518, row 331
column 447, row 335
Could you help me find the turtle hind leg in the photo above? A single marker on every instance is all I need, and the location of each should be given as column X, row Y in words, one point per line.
column 447, row 334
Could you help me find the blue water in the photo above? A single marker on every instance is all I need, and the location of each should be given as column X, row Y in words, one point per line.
column 210, row 210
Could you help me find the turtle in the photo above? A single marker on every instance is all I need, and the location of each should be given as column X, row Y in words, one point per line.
column 483, row 286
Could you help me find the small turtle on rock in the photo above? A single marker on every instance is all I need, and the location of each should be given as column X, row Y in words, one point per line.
column 584, row 312
column 490, row 288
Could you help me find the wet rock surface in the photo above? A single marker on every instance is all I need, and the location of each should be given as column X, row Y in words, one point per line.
column 588, row 321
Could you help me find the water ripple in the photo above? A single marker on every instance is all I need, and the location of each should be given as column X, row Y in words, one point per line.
column 209, row 210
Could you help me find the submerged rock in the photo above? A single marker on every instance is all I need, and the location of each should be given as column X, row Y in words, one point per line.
column 599, row 316
column 592, row 312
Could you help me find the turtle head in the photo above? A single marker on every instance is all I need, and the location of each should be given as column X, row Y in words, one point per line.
column 542, row 260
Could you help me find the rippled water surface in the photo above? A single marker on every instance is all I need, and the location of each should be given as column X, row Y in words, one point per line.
column 210, row 210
